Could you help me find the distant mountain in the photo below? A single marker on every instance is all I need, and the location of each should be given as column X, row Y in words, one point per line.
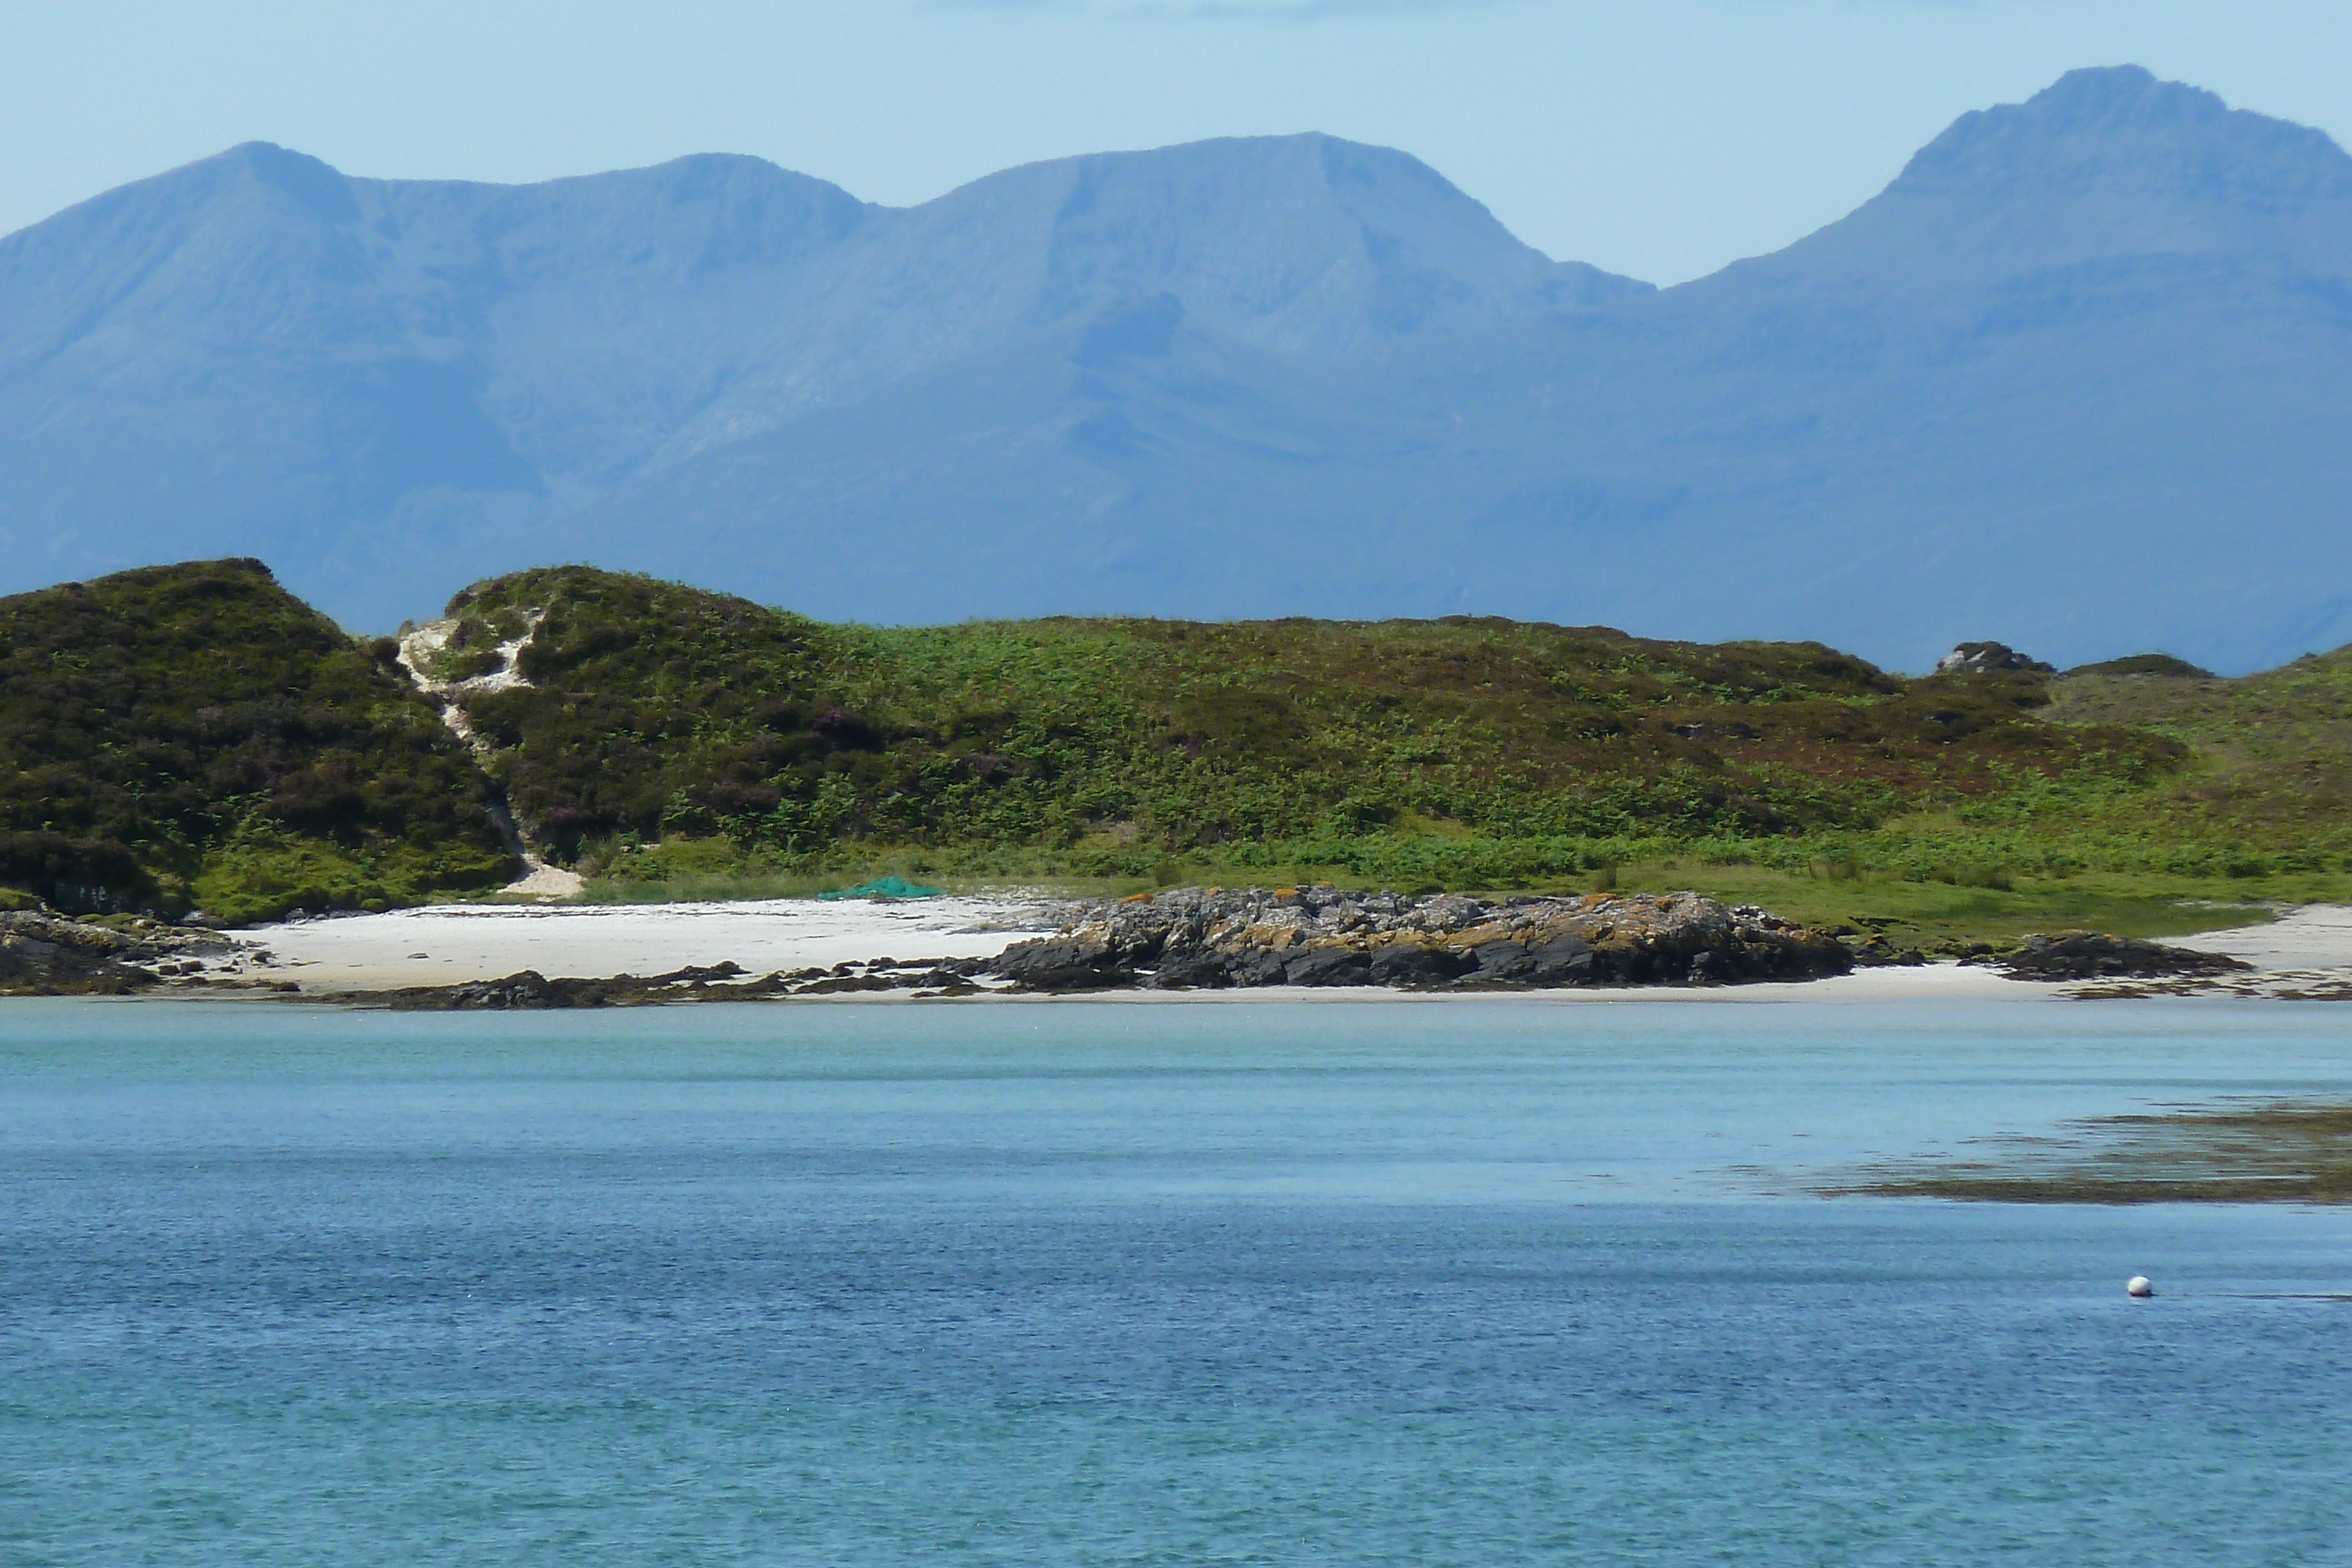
column 2080, row 379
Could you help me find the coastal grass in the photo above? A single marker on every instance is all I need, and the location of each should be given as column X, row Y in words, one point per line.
column 670, row 737
column 192, row 735
column 1939, row 917
column 1457, row 752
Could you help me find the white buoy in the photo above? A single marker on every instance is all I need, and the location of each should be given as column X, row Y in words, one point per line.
column 2137, row 1285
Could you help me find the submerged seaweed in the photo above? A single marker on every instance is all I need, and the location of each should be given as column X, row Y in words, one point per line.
column 2279, row 1152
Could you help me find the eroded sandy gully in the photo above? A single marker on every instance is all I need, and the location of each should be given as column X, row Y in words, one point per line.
column 418, row 647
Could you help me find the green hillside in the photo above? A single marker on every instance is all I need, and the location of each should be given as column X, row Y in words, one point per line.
column 2272, row 771
column 196, row 735
column 668, row 736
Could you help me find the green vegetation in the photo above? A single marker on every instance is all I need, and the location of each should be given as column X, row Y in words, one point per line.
column 1415, row 752
column 195, row 735
column 678, row 742
column 2284, row 1153
column 2269, row 784
column 1953, row 917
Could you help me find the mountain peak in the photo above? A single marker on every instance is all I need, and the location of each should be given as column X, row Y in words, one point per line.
column 2102, row 164
column 2080, row 372
column 2113, row 94
column 2121, row 123
column 316, row 186
column 1302, row 243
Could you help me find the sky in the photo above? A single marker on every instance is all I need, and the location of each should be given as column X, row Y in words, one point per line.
column 1657, row 137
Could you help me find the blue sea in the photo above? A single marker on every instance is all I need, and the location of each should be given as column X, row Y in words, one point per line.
column 1477, row 1282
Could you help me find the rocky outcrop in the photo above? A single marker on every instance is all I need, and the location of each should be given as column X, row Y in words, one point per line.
column 1984, row 658
column 1211, row 937
column 531, row 990
column 2093, row 956
column 47, row 955
column 726, row 982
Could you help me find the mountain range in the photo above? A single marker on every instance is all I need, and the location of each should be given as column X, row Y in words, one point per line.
column 2079, row 379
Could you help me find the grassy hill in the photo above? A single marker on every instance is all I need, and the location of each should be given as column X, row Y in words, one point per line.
column 671, row 740
column 193, row 734
column 653, row 711
column 196, row 735
column 2272, row 776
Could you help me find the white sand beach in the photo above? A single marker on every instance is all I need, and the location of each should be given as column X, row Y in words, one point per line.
column 451, row 944
column 2311, row 936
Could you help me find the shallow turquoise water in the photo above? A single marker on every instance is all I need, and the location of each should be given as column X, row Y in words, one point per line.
column 1471, row 1284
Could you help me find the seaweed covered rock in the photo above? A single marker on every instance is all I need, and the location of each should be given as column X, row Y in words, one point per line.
column 43, row 956
column 1213, row 937
column 2093, row 956
column 529, row 991
column 46, row 955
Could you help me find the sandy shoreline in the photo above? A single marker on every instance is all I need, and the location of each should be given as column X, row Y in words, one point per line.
column 453, row 943
column 2315, row 937
column 352, row 957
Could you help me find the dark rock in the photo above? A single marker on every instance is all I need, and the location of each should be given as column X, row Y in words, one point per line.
column 1563, row 961
column 1408, row 964
column 837, row 984
column 527, row 990
column 2093, row 956
column 45, row 954
column 532, row 990
column 1322, row 937
column 1329, row 967
column 1257, row 966
column 1064, row 963
column 1195, row 969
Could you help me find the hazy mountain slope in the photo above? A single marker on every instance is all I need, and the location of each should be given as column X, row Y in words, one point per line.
column 255, row 351
column 2080, row 378
column 381, row 385
column 2082, row 375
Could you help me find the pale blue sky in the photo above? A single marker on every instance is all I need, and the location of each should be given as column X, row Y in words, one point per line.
column 1661, row 139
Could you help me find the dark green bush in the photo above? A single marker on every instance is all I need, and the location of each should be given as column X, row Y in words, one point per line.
column 167, row 734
